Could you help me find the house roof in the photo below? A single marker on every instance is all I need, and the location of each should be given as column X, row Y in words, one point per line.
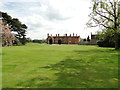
column 66, row 36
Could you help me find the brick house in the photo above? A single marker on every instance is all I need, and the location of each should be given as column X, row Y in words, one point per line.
column 94, row 39
column 63, row 39
column 94, row 36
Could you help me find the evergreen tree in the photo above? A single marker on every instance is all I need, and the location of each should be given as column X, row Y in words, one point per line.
column 88, row 38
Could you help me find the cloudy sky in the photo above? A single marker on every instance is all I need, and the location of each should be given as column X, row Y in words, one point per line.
column 50, row 16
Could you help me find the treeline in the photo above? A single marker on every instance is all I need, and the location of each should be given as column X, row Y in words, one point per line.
column 28, row 40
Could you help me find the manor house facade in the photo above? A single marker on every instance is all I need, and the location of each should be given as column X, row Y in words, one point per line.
column 63, row 39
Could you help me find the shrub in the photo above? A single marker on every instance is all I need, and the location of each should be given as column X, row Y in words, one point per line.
column 107, row 43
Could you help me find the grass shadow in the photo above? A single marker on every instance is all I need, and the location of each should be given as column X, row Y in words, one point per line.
column 73, row 73
column 78, row 73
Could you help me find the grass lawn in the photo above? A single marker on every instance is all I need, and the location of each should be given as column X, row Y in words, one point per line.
column 59, row 66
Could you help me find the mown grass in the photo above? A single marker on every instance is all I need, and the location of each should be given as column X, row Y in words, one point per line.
column 59, row 66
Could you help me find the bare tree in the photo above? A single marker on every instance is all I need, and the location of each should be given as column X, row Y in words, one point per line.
column 105, row 14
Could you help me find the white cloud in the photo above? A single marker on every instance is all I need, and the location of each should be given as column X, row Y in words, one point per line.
column 51, row 16
column 42, row 8
column 1, row 4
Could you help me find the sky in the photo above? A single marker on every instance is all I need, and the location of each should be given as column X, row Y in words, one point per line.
column 51, row 16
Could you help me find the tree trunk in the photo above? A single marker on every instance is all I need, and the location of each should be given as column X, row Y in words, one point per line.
column 116, row 42
column 116, row 45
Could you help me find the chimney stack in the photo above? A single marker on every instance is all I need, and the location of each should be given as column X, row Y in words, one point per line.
column 73, row 34
column 70, row 35
column 56, row 35
column 76, row 34
column 66, row 35
column 51, row 34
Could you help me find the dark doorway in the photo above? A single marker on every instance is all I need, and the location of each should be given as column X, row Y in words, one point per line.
column 50, row 41
column 59, row 41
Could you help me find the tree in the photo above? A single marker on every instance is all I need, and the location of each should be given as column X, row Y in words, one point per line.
column 8, row 38
column 88, row 38
column 37, row 41
column 43, row 41
column 16, row 26
column 105, row 14
column 84, row 39
column 28, row 40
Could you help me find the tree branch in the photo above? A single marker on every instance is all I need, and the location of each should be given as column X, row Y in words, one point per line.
column 109, row 12
column 104, row 16
column 111, row 5
column 107, row 26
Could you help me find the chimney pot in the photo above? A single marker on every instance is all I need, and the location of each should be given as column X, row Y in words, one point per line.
column 48, row 34
column 73, row 34
column 66, row 34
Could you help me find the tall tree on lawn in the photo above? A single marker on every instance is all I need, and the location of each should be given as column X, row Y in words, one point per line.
column 16, row 26
column 105, row 14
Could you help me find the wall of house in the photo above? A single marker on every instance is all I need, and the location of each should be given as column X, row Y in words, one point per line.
column 64, row 39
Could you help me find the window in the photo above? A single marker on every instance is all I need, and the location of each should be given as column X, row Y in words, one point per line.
column 75, row 38
column 65, row 39
column 56, row 42
column 56, row 39
column 69, row 39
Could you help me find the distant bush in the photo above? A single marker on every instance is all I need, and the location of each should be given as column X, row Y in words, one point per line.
column 105, row 43
column 38, row 41
column 84, row 40
column 28, row 40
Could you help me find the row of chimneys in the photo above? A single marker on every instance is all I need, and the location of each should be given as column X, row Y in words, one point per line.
column 65, row 34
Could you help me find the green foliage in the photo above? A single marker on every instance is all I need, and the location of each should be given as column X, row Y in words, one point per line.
column 43, row 41
column 84, row 39
column 105, row 14
column 105, row 43
column 107, row 39
column 17, row 42
column 88, row 38
column 37, row 41
column 16, row 26
column 59, row 66
column 28, row 40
